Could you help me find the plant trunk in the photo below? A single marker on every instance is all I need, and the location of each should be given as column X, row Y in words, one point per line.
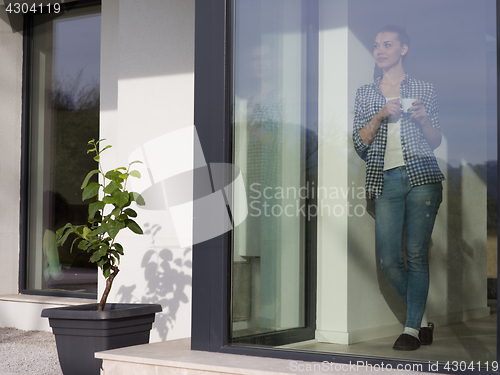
column 109, row 283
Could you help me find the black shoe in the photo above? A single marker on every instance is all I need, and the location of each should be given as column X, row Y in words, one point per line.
column 406, row 342
column 425, row 334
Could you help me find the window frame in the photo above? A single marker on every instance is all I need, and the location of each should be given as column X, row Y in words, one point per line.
column 28, row 24
column 211, row 259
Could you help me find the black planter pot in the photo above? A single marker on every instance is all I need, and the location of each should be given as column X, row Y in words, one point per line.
column 81, row 331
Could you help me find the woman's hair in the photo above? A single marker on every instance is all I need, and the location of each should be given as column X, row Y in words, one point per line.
column 398, row 28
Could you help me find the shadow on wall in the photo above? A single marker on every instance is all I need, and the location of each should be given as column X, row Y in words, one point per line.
column 166, row 279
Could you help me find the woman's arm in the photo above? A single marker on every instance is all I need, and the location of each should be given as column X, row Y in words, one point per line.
column 431, row 134
column 364, row 130
column 369, row 131
column 359, row 122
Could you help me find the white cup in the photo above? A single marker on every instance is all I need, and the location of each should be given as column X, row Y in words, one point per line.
column 407, row 104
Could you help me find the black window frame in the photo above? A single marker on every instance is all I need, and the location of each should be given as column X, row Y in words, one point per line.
column 28, row 25
column 211, row 293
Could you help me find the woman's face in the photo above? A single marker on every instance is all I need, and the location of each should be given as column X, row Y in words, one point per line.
column 388, row 50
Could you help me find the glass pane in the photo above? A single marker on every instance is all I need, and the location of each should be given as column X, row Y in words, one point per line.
column 359, row 308
column 270, row 132
column 64, row 116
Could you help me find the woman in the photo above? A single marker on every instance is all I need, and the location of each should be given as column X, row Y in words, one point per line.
column 402, row 175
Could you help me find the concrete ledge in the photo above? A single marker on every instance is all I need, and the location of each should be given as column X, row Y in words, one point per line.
column 175, row 358
column 46, row 300
column 23, row 311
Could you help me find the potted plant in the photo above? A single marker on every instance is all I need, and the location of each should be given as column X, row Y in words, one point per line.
column 82, row 330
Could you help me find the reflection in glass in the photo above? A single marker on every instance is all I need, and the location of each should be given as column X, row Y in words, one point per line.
column 270, row 128
column 396, row 129
column 64, row 116
column 458, row 296
column 357, row 310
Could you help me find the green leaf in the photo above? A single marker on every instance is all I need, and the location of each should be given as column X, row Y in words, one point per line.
column 115, row 255
column 94, row 207
column 122, row 199
column 88, row 177
column 91, row 245
column 135, row 173
column 137, row 198
column 101, row 262
column 106, row 270
column 95, row 257
column 135, row 162
column 103, row 228
column 118, row 248
column 111, row 187
column 130, row 212
column 116, row 212
column 79, row 230
column 109, row 199
column 73, row 244
column 91, row 190
column 63, row 237
column 60, row 231
column 114, row 227
column 133, row 226
column 96, row 219
column 92, row 143
column 122, row 217
column 95, row 144
column 105, row 148
column 83, row 245
column 114, row 175
column 86, row 231
column 99, row 253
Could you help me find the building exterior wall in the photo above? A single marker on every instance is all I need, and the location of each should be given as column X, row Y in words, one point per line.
column 147, row 93
column 11, row 61
column 147, row 87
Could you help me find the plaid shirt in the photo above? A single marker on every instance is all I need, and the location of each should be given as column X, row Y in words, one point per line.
column 420, row 161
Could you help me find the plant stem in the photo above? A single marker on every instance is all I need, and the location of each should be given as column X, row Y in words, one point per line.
column 109, row 282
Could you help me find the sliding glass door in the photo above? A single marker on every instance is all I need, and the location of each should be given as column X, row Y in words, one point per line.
column 304, row 263
column 275, row 132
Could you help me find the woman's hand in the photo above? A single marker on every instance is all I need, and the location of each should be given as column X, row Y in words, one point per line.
column 418, row 113
column 392, row 107
column 369, row 131
column 431, row 135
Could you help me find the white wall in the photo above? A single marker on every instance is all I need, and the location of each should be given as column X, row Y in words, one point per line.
column 11, row 61
column 332, row 315
column 147, row 91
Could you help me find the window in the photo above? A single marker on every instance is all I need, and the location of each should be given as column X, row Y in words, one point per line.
column 275, row 145
column 293, row 69
column 63, row 95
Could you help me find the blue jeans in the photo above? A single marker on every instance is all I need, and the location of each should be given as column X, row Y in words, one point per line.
column 415, row 208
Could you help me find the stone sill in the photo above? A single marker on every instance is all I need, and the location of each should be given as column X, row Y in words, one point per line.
column 45, row 300
column 176, row 357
